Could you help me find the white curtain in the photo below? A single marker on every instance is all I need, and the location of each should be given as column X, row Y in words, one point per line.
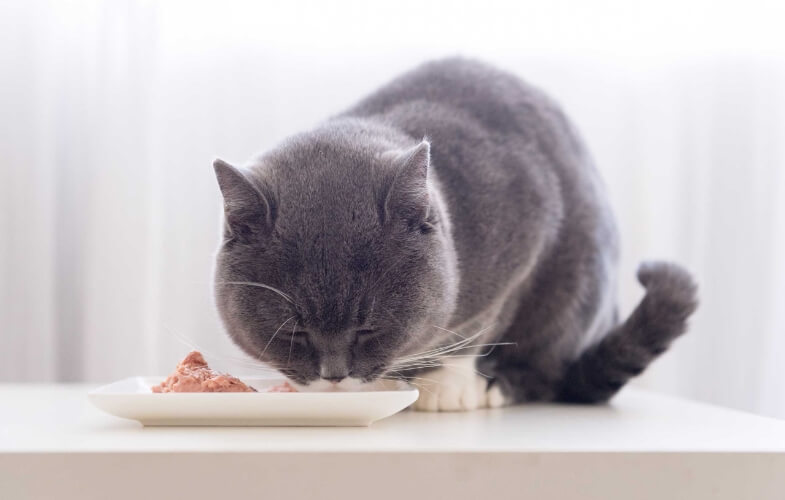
column 111, row 113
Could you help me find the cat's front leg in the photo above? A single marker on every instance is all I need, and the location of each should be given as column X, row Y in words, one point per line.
column 456, row 386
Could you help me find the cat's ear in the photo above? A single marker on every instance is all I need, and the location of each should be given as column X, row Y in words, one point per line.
column 407, row 196
column 247, row 210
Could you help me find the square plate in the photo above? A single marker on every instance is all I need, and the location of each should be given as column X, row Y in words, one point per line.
column 132, row 398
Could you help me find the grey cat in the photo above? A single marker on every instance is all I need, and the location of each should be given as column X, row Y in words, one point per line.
column 449, row 230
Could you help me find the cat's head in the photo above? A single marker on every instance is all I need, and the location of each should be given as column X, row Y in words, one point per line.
column 336, row 260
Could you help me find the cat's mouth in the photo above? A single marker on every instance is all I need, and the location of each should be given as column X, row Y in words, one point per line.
column 349, row 384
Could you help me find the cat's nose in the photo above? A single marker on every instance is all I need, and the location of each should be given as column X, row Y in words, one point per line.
column 335, row 368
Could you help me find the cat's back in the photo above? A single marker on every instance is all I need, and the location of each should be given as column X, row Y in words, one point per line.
column 511, row 167
column 466, row 83
column 489, row 129
column 464, row 89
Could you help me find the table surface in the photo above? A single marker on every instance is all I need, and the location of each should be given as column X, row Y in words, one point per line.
column 46, row 418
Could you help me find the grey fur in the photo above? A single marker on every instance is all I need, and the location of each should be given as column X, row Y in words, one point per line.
column 457, row 196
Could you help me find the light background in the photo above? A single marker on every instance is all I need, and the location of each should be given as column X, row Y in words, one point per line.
column 111, row 113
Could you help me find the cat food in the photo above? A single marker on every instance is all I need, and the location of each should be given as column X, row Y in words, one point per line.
column 285, row 387
column 193, row 375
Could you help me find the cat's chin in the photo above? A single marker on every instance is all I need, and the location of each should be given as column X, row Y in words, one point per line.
column 349, row 384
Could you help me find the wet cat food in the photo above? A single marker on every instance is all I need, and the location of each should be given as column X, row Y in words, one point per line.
column 193, row 375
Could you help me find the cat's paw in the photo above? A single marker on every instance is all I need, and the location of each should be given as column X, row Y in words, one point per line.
column 457, row 387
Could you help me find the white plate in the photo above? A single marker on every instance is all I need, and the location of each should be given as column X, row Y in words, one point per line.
column 132, row 398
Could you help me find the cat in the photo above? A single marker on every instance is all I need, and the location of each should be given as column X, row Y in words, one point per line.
column 449, row 230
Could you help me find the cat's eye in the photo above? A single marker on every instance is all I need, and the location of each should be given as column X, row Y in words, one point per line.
column 299, row 336
column 366, row 334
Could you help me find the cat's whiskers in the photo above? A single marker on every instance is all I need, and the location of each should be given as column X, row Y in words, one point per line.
column 181, row 338
column 434, row 361
column 261, row 354
column 291, row 344
column 433, row 356
column 449, row 331
column 245, row 362
column 419, row 366
column 436, row 357
column 448, row 347
column 260, row 285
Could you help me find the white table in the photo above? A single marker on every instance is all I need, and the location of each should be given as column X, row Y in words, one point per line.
column 53, row 444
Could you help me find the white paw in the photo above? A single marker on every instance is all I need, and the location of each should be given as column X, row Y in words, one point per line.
column 494, row 398
column 456, row 387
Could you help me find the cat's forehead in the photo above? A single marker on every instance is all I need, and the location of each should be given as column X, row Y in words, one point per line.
column 335, row 189
column 324, row 160
column 346, row 153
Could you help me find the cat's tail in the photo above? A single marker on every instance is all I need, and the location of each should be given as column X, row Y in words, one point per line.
column 660, row 317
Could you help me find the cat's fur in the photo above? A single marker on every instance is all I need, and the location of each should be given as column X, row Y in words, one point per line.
column 456, row 197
